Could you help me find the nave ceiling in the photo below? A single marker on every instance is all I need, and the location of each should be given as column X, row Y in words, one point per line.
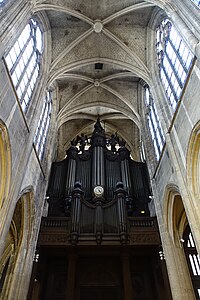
column 98, row 58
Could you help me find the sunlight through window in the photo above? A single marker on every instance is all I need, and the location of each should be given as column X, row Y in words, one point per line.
column 193, row 260
column 23, row 62
column 43, row 126
column 154, row 123
column 174, row 60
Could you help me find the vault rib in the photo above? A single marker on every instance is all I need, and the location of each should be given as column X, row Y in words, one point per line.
column 129, row 115
column 71, row 12
column 85, row 62
column 70, row 47
column 125, row 48
column 126, row 10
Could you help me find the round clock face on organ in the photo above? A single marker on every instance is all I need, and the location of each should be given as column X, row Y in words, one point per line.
column 98, row 191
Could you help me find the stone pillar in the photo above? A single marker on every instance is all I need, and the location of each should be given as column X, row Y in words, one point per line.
column 178, row 160
column 179, row 277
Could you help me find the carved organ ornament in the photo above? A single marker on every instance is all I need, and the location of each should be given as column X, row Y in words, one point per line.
column 98, row 186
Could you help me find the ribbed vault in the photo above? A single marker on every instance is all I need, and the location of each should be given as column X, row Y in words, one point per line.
column 99, row 56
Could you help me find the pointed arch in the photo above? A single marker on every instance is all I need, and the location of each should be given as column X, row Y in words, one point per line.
column 174, row 213
column 193, row 163
column 5, row 163
column 16, row 254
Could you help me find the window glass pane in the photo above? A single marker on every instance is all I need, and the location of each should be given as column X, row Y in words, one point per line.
column 174, row 60
column 23, row 61
column 43, row 125
column 192, row 259
column 154, row 123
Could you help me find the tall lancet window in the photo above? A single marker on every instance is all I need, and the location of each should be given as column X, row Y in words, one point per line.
column 23, row 62
column 154, row 123
column 43, row 125
column 174, row 60
column 193, row 260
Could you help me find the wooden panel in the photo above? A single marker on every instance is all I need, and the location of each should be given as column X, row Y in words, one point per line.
column 99, row 293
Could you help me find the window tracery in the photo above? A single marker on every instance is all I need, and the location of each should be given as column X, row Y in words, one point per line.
column 174, row 60
column 23, row 62
column 43, row 125
column 154, row 123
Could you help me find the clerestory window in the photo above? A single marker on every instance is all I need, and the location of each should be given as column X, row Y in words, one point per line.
column 174, row 61
column 154, row 123
column 193, row 260
column 43, row 125
column 23, row 62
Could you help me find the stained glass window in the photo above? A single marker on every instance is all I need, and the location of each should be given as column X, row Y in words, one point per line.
column 23, row 61
column 154, row 123
column 174, row 60
column 43, row 125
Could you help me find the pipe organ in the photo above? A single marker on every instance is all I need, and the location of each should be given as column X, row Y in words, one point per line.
column 98, row 240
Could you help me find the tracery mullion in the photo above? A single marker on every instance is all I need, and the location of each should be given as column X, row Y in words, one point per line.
column 27, row 86
column 44, row 138
column 178, row 55
column 174, row 71
column 170, row 84
column 42, row 129
column 25, row 68
column 40, row 122
column 154, row 133
column 158, row 124
column 20, row 55
column 43, row 126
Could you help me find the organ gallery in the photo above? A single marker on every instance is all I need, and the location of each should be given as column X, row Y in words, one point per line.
column 98, row 239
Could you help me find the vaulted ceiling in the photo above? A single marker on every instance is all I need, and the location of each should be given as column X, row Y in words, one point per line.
column 99, row 56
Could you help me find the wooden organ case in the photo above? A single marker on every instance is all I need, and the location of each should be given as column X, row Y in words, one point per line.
column 98, row 240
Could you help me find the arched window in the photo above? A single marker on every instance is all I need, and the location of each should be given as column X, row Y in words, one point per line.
column 43, row 125
column 174, row 60
column 197, row 2
column 154, row 123
column 23, row 62
column 193, row 260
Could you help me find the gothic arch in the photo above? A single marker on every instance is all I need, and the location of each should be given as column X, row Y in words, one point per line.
column 193, row 162
column 174, row 214
column 16, row 251
column 5, row 163
column 176, row 222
